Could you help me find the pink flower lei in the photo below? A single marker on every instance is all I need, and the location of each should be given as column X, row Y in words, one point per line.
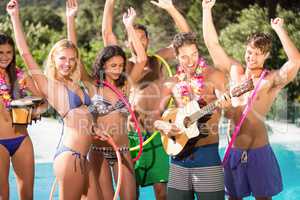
column 197, row 81
column 21, row 82
column 5, row 88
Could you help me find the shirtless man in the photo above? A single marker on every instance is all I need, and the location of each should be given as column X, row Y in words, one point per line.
column 198, row 170
column 252, row 167
column 153, row 166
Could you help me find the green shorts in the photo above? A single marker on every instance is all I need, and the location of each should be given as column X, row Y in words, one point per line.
column 153, row 166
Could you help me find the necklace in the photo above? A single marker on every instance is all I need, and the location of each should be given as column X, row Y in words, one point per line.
column 188, row 88
column 4, row 91
column 5, row 88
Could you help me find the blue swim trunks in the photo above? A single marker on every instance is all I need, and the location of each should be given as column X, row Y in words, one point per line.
column 252, row 172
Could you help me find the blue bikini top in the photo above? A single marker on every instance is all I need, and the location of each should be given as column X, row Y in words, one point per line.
column 75, row 100
column 101, row 106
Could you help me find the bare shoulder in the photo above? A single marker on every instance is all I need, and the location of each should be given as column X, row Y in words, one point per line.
column 275, row 81
column 215, row 74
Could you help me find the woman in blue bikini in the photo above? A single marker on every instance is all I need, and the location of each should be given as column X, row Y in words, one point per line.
column 70, row 101
column 15, row 144
column 109, row 110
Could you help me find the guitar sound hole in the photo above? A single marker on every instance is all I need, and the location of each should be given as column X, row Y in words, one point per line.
column 174, row 139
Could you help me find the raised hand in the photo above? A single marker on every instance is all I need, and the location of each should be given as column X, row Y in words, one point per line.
column 277, row 23
column 164, row 4
column 71, row 8
column 128, row 18
column 208, row 3
column 12, row 8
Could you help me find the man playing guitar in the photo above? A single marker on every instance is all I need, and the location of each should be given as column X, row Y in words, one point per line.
column 197, row 170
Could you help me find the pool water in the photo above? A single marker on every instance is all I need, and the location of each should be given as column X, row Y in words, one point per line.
column 289, row 161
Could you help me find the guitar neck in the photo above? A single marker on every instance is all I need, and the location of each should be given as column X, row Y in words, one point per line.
column 208, row 109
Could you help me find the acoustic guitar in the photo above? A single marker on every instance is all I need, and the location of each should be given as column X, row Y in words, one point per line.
column 186, row 118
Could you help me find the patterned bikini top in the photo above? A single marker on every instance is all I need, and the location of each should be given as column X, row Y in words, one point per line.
column 101, row 106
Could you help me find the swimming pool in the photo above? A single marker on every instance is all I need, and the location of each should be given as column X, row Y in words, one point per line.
column 284, row 138
column 289, row 162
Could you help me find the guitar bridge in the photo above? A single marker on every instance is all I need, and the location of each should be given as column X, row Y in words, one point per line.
column 203, row 129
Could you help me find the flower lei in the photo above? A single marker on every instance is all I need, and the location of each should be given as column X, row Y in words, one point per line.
column 5, row 88
column 185, row 88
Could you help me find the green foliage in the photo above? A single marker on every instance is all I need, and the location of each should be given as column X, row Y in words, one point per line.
column 43, row 15
column 5, row 25
column 44, row 24
column 194, row 17
column 234, row 36
column 88, row 57
column 40, row 39
column 88, row 23
column 255, row 19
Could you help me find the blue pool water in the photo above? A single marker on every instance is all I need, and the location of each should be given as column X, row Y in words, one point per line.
column 289, row 162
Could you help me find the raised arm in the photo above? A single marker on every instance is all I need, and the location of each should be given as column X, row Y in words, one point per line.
column 181, row 24
column 179, row 20
column 141, row 56
column 220, row 59
column 108, row 35
column 71, row 12
column 289, row 70
column 36, row 72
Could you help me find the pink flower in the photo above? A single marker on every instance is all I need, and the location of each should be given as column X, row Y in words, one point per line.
column 183, row 88
column 197, row 83
column 20, row 73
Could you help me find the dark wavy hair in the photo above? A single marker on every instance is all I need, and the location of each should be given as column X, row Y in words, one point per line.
column 261, row 41
column 181, row 39
column 143, row 28
column 11, row 68
column 139, row 27
column 106, row 54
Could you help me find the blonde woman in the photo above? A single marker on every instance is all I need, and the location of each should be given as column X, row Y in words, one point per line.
column 109, row 110
column 69, row 100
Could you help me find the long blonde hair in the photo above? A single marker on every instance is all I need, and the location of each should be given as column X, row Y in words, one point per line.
column 50, row 69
